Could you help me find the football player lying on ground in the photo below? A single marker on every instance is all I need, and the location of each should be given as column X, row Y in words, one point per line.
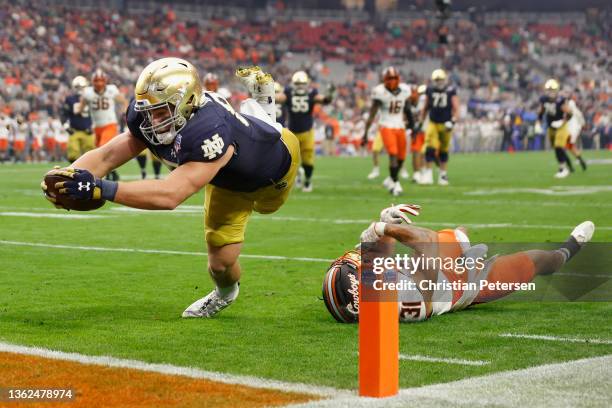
column 244, row 162
column 341, row 282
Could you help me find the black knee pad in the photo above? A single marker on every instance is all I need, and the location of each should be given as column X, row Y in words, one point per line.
column 430, row 155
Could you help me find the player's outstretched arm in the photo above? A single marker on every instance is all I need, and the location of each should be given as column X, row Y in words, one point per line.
column 167, row 194
column 376, row 104
column 118, row 151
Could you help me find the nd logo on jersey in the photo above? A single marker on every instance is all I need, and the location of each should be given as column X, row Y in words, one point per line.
column 213, row 147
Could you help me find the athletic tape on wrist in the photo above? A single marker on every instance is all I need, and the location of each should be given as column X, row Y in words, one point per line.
column 379, row 228
column 109, row 189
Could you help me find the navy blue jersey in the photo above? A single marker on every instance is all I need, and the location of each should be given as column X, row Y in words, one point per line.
column 300, row 104
column 260, row 157
column 439, row 103
column 553, row 107
column 77, row 121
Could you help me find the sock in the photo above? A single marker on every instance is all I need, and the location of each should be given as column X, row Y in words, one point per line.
column 569, row 248
column 560, row 154
column 156, row 168
column 582, row 162
column 308, row 169
column 569, row 162
column 399, row 164
column 393, row 170
column 442, row 173
column 229, row 292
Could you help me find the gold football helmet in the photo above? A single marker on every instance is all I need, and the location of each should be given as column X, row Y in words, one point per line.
column 79, row 82
column 439, row 78
column 300, row 80
column 551, row 87
column 167, row 92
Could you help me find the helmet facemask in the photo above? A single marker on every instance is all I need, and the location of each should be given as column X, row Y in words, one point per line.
column 164, row 132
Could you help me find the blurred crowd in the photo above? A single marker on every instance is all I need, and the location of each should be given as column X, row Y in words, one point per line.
column 498, row 67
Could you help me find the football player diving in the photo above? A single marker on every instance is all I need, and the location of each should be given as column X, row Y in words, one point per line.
column 390, row 98
column 442, row 110
column 342, row 280
column 300, row 99
column 244, row 162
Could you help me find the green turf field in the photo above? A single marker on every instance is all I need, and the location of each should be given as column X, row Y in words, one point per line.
column 127, row 304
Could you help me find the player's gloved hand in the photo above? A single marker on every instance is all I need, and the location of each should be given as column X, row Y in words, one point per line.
column 449, row 124
column 373, row 232
column 557, row 124
column 400, row 213
column 85, row 186
column 52, row 200
column 82, row 185
column 330, row 93
column 418, row 127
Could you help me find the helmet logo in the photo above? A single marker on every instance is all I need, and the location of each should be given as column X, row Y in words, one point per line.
column 353, row 307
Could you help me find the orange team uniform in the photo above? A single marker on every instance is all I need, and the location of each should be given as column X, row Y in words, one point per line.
column 102, row 111
column 512, row 268
column 391, row 122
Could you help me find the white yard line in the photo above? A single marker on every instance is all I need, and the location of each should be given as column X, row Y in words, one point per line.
column 169, row 369
column 458, row 361
column 556, row 338
column 156, row 251
column 195, row 210
column 53, row 215
column 583, row 382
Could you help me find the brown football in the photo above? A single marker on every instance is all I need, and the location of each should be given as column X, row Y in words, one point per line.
column 65, row 201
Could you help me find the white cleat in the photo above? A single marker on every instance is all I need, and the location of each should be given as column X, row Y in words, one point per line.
column 209, row 305
column 426, row 177
column 443, row 180
column 388, row 183
column 397, row 189
column 263, row 91
column 583, row 232
column 404, row 174
column 307, row 188
column 247, row 77
column 562, row 173
column 374, row 173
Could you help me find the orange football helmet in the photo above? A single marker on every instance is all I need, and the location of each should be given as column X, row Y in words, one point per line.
column 99, row 80
column 391, row 78
column 211, row 82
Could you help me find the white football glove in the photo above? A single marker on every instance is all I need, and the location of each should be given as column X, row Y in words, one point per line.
column 399, row 213
column 373, row 232
column 557, row 124
column 449, row 124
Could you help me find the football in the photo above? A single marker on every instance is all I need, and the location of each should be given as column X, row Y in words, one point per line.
column 63, row 200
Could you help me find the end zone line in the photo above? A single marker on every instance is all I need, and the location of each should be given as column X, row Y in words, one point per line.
column 570, row 383
column 157, row 251
column 459, row 361
column 249, row 381
column 555, row 338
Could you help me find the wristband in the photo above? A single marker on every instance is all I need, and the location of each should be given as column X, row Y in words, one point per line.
column 108, row 189
column 379, row 228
